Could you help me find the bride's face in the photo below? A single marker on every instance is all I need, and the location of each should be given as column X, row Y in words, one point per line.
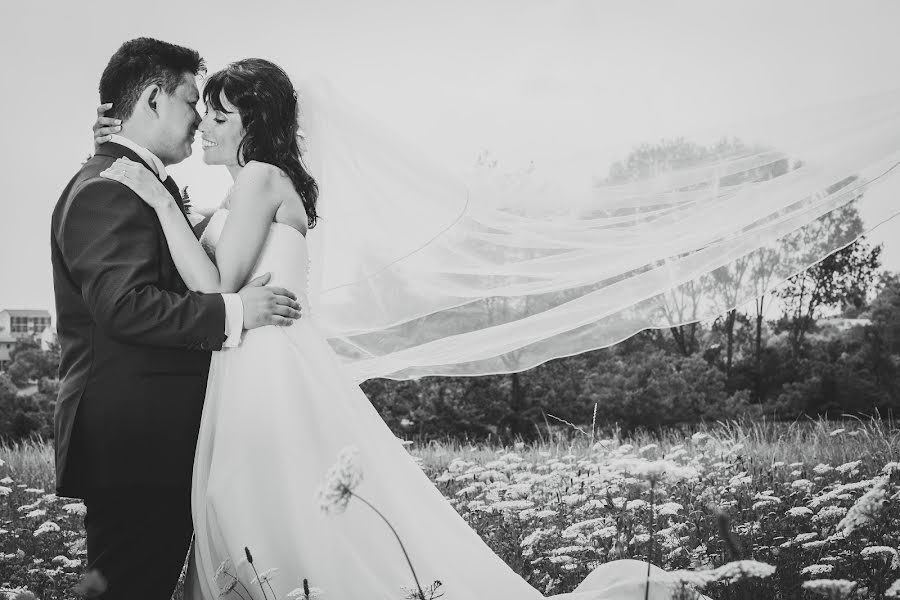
column 222, row 132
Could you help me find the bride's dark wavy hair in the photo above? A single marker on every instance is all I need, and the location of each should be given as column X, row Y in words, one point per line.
column 267, row 102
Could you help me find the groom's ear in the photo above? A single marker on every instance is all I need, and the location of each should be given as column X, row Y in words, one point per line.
column 154, row 94
column 149, row 99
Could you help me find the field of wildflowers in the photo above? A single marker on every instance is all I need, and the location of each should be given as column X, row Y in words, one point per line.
column 761, row 510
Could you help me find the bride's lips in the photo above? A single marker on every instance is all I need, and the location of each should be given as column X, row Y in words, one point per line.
column 208, row 143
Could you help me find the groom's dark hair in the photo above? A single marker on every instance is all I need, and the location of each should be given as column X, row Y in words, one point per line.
column 141, row 62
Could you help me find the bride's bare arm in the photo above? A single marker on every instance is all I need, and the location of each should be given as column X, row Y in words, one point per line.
column 253, row 206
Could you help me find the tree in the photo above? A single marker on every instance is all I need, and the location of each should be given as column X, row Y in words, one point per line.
column 844, row 278
column 28, row 362
column 726, row 284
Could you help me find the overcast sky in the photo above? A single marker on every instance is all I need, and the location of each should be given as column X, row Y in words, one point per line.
column 561, row 83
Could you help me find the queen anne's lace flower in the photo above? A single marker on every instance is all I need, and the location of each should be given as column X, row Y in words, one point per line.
column 265, row 576
column 670, row 508
column 342, row 478
column 832, row 588
column 225, row 577
column 866, row 508
column 815, row 570
column 75, row 508
column 799, row 511
column 46, row 527
column 742, row 569
column 698, row 579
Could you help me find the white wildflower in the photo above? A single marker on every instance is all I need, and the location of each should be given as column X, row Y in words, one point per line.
column 513, row 505
column 75, row 508
column 5, row 491
column 884, row 552
column 849, row 466
column 830, row 514
column 741, row 569
column 535, row 536
column 799, row 511
column 670, row 508
column 838, row 493
column 29, row 507
column 837, row 432
column 894, row 590
column 833, row 588
column 46, row 527
column 335, row 492
column 265, row 576
column 225, row 577
column 815, row 570
column 576, row 528
column 887, row 469
column 65, row 562
column 866, row 508
column 573, row 499
column 673, row 454
column 822, row 468
column 740, row 479
column 698, row 579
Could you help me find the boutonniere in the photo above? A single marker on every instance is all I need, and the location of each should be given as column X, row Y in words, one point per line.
column 186, row 200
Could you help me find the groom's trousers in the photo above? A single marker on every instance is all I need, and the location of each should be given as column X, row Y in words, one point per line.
column 138, row 540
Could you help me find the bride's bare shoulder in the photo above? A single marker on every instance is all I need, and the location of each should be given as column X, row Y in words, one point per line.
column 260, row 172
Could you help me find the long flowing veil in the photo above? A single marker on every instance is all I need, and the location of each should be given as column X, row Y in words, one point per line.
column 420, row 271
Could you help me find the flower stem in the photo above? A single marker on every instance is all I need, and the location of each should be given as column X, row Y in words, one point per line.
column 399, row 541
column 652, row 527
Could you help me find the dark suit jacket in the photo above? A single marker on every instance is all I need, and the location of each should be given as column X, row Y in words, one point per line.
column 135, row 343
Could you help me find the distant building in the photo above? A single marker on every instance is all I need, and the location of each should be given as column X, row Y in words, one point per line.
column 16, row 324
column 24, row 323
column 7, row 342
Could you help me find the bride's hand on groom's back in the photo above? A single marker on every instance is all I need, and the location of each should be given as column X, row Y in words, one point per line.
column 105, row 126
column 264, row 305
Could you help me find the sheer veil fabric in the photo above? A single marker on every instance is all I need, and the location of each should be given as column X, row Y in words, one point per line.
column 416, row 270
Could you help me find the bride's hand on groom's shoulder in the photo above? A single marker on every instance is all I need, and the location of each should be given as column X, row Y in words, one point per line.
column 105, row 126
column 141, row 181
column 267, row 305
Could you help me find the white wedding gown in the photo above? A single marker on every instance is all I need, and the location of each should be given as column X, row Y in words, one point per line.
column 279, row 408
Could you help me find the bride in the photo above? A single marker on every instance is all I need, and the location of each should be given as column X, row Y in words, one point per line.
column 281, row 406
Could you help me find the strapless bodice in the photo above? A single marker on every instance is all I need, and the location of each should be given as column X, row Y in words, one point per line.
column 284, row 254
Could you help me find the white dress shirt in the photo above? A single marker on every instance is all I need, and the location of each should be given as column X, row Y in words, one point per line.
column 234, row 308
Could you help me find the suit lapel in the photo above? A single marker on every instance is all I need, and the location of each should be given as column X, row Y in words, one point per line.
column 114, row 150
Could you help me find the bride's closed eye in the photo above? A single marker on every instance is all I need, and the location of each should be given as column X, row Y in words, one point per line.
column 216, row 119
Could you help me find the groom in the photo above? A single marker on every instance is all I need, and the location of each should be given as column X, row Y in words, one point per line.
column 135, row 342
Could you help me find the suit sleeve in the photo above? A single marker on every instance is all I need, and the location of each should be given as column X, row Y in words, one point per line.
column 110, row 242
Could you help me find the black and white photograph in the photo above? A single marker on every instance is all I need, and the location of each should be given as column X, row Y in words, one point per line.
column 408, row 300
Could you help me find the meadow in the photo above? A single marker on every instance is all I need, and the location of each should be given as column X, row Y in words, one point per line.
column 745, row 510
